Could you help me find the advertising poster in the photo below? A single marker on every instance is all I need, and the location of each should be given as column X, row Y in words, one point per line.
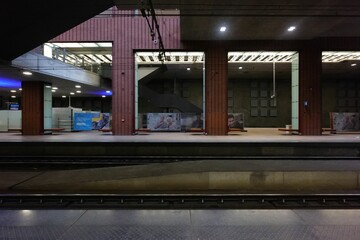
column 345, row 121
column 236, row 120
column 101, row 121
column 163, row 122
column 82, row 121
column 191, row 120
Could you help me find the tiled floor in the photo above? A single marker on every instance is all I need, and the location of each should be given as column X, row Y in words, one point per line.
column 180, row 224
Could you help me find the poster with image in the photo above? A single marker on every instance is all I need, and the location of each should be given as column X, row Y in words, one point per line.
column 345, row 121
column 236, row 120
column 191, row 120
column 163, row 122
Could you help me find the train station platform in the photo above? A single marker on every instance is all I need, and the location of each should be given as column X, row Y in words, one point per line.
column 254, row 142
column 189, row 224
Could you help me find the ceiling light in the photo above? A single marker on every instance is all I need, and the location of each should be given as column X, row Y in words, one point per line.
column 188, row 69
column 12, row 90
column 240, row 67
column 77, row 86
column 63, row 96
column 78, row 91
column 292, row 28
column 108, row 91
column 20, row 89
column 13, row 96
column 103, row 96
column 47, row 86
column 27, row 73
column 222, row 29
column 353, row 64
column 54, row 88
column 72, row 93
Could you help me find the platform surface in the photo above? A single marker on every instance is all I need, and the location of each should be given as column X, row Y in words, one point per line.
column 180, row 224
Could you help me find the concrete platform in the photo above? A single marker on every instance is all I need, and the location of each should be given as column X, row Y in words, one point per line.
column 180, row 224
column 254, row 142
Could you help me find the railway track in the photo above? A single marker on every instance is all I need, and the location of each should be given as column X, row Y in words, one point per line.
column 180, row 201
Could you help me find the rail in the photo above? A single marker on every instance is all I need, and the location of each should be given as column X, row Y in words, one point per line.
column 180, row 201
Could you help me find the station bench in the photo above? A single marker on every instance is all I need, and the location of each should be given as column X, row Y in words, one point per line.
column 45, row 130
column 196, row 130
column 296, row 131
column 136, row 130
column 105, row 130
column 237, row 130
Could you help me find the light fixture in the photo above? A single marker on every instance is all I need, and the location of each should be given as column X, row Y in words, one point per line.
column 78, row 91
column 223, row 29
column 188, row 69
column 103, row 96
column 63, row 96
column 77, row 86
column 353, row 64
column 20, row 89
column 240, row 67
column 54, row 88
column 292, row 28
column 27, row 73
column 12, row 90
column 108, row 91
column 13, row 96
column 47, row 86
column 72, row 93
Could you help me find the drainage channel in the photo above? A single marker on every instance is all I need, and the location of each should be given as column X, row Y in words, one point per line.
column 180, row 201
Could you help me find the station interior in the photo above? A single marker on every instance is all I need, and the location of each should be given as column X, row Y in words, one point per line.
column 185, row 120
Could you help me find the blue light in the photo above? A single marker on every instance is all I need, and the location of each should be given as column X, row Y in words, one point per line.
column 9, row 83
column 101, row 93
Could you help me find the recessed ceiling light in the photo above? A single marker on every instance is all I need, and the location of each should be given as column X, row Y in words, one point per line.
column 72, row 93
column 12, row 90
column 188, row 69
column 27, row 73
column 353, row 64
column 63, row 96
column 292, row 28
column 222, row 29
column 240, row 67
column 108, row 91
column 78, row 91
column 77, row 86
column 103, row 96
column 13, row 96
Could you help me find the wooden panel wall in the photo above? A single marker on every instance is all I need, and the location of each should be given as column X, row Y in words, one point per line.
column 310, row 67
column 127, row 34
column 216, row 90
column 32, row 105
